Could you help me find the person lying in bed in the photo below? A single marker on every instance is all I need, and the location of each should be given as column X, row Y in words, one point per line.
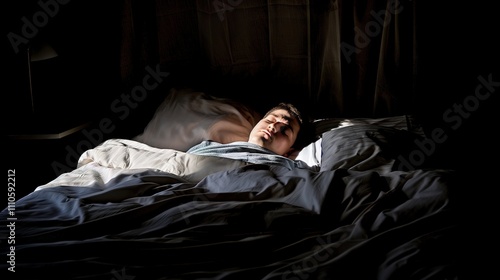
column 271, row 141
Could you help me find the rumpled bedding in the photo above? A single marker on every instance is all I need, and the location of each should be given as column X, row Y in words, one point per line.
column 245, row 151
column 142, row 213
column 122, row 156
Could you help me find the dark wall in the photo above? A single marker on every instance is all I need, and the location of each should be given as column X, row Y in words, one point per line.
column 85, row 35
column 456, row 45
column 459, row 55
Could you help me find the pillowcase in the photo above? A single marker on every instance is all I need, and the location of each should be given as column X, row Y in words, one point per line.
column 368, row 147
column 311, row 154
column 402, row 122
column 187, row 117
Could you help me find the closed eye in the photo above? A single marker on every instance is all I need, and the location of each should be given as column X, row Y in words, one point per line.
column 284, row 129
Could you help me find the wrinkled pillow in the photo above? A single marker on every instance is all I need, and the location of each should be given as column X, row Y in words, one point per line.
column 369, row 147
column 187, row 117
column 402, row 122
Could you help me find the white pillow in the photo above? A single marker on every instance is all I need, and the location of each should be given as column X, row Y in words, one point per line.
column 187, row 117
column 311, row 154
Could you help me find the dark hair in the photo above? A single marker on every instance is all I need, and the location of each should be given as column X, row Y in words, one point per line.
column 304, row 137
column 291, row 109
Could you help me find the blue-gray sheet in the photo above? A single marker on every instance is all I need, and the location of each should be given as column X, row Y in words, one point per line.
column 254, row 222
column 247, row 152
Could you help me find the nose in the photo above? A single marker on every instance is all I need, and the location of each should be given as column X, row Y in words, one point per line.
column 271, row 127
column 275, row 127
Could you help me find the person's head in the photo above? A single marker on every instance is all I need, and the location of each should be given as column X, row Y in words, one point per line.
column 278, row 130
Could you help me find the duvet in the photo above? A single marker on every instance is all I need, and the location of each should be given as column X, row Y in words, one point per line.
column 130, row 211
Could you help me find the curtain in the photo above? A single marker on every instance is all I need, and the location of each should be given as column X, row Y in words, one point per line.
column 341, row 58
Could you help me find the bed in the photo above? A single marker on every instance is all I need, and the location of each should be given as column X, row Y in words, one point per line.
column 370, row 206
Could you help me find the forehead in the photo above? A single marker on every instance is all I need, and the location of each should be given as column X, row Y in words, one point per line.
column 283, row 116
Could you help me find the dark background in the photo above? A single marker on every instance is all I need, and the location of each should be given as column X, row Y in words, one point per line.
column 85, row 79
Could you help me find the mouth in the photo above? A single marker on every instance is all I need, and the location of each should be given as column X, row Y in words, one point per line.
column 269, row 136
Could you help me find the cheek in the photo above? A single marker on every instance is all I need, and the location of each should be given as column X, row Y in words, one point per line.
column 260, row 125
column 257, row 127
column 284, row 141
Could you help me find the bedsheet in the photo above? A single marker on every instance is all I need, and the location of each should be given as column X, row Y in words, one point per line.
column 153, row 224
column 237, row 221
column 123, row 156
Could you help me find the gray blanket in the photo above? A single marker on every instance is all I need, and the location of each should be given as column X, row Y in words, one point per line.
column 251, row 222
